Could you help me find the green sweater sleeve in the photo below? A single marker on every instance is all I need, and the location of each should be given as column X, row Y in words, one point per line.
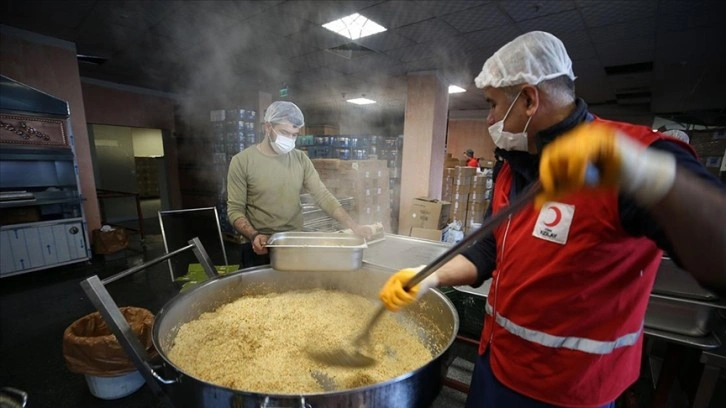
column 236, row 189
column 312, row 183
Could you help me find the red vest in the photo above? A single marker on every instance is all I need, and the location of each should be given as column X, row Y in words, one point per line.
column 566, row 306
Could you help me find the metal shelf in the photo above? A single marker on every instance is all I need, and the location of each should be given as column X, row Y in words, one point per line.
column 36, row 153
column 37, row 202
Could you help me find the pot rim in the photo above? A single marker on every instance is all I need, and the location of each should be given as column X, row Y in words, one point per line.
column 178, row 298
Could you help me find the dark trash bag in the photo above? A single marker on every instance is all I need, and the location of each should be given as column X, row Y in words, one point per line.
column 90, row 348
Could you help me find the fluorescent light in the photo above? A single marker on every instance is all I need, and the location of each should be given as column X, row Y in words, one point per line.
column 361, row 101
column 456, row 89
column 354, row 26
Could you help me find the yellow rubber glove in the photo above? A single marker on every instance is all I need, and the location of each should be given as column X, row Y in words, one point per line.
column 645, row 174
column 394, row 297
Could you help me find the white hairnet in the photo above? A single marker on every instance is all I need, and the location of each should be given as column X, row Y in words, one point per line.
column 284, row 112
column 678, row 134
column 528, row 59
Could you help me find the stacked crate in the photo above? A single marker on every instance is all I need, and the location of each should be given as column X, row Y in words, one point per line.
column 232, row 130
column 479, row 198
column 460, row 190
column 366, row 181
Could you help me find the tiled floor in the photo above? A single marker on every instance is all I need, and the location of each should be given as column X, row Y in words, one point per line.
column 36, row 308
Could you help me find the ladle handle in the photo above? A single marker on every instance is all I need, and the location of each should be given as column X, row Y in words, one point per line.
column 489, row 225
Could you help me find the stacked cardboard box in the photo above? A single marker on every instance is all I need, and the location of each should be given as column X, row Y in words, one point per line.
column 428, row 218
column 364, row 180
column 479, row 197
column 460, row 190
column 451, row 162
column 447, row 187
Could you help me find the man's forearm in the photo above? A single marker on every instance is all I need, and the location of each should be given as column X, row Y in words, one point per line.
column 693, row 216
column 344, row 218
column 243, row 226
column 456, row 272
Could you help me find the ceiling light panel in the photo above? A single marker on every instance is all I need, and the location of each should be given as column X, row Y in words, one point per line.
column 354, row 26
column 453, row 89
column 361, row 101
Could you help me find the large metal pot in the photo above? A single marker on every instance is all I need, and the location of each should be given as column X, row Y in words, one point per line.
column 434, row 315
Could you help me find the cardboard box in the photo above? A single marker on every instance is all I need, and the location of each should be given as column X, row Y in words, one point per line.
column 429, row 233
column 429, row 213
column 477, row 196
column 465, row 172
column 459, row 197
column 321, row 130
column 479, row 180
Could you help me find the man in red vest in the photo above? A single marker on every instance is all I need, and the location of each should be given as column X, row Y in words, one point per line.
column 471, row 161
column 572, row 273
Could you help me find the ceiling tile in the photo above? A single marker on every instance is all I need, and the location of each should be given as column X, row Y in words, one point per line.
column 428, row 30
column 451, row 48
column 623, row 31
column 687, row 46
column 630, row 52
column 319, row 37
column 678, row 16
column 589, row 65
column 393, row 14
column 422, row 65
column 385, row 41
column 138, row 14
column 440, row 8
column 369, row 65
column 493, row 37
column 192, row 24
column 239, row 10
column 521, row 10
column 276, row 22
column 590, row 81
column 700, row 8
column 630, row 82
column 600, row 13
column 578, row 45
column 477, row 18
column 412, row 53
column 558, row 24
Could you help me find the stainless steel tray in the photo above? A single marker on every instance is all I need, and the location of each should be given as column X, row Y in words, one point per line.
column 673, row 281
column 690, row 319
column 315, row 251
column 399, row 251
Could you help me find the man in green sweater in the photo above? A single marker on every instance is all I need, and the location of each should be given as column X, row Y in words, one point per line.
column 265, row 181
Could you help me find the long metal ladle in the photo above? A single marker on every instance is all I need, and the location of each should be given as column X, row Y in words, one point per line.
column 353, row 355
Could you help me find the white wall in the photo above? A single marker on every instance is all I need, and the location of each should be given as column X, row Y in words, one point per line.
column 147, row 142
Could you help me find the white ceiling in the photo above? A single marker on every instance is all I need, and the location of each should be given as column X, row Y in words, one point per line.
column 667, row 55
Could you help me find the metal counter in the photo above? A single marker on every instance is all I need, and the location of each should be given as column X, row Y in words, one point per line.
column 398, row 251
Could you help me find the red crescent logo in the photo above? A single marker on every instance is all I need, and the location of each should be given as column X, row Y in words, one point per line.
column 558, row 217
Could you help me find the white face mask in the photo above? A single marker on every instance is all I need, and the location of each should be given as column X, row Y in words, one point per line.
column 508, row 140
column 282, row 144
